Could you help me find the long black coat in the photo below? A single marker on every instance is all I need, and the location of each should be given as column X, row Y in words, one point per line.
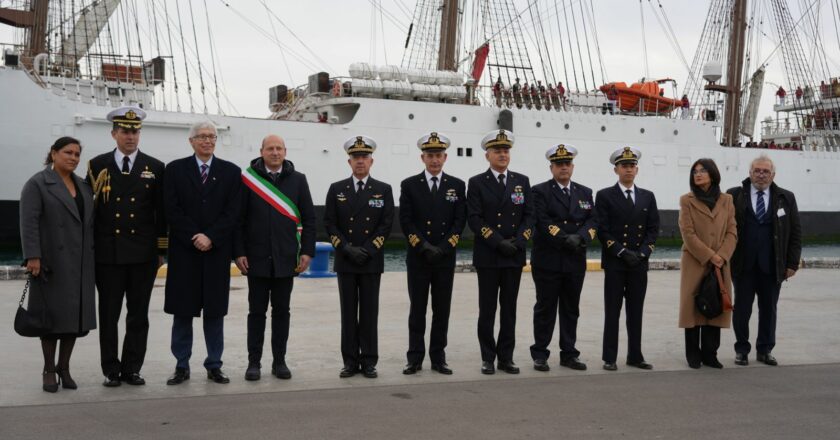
column 130, row 226
column 359, row 219
column 269, row 238
column 620, row 226
column 438, row 219
column 495, row 215
column 558, row 216
column 198, row 280
column 787, row 232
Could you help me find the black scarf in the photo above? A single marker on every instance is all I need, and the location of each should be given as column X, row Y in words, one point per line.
column 709, row 197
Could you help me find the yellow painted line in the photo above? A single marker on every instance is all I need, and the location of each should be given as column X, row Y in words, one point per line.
column 234, row 271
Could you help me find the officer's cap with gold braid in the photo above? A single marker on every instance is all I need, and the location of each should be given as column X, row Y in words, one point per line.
column 433, row 142
column 360, row 145
column 561, row 153
column 625, row 155
column 128, row 117
column 497, row 139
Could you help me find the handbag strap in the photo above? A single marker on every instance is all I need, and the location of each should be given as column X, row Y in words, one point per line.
column 724, row 291
column 25, row 289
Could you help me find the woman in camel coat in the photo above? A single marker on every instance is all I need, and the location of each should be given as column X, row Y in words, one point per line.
column 707, row 225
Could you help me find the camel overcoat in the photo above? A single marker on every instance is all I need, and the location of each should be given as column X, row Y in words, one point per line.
column 704, row 233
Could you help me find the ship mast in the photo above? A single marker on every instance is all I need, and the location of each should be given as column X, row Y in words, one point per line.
column 447, row 52
column 734, row 74
column 35, row 21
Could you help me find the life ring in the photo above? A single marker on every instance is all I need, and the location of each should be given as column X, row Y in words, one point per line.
column 336, row 89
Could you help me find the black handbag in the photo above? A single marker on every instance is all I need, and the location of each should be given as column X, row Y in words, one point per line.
column 32, row 324
column 712, row 297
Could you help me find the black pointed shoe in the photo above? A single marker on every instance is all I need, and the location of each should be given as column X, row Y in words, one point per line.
column 766, row 358
column 216, row 375
column 641, row 365
column 741, row 359
column 713, row 363
column 573, row 363
column 112, row 380
column 610, row 366
column 508, row 367
column 253, row 372
column 487, row 368
column 281, row 371
column 180, row 375
column 348, row 371
column 370, row 372
column 442, row 368
column 412, row 368
column 541, row 365
column 133, row 379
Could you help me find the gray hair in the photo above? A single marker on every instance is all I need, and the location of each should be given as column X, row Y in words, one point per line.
column 201, row 126
column 766, row 159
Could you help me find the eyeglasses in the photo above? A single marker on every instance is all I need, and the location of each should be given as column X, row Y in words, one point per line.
column 761, row 172
column 204, row 137
column 700, row 171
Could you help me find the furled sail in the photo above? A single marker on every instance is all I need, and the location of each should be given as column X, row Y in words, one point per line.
column 751, row 110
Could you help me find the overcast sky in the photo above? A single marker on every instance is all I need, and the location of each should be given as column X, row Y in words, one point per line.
column 341, row 32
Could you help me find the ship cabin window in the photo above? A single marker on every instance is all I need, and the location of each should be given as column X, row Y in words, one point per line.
column 469, row 152
column 460, row 151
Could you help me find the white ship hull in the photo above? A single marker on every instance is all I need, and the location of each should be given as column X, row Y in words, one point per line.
column 32, row 117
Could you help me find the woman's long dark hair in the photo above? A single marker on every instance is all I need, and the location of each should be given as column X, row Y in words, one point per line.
column 711, row 168
column 59, row 144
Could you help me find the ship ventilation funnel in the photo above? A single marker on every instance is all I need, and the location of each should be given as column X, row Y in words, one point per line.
column 712, row 71
column 506, row 120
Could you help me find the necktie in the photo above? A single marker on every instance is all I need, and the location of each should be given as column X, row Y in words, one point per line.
column 273, row 177
column 502, row 181
column 434, row 185
column 566, row 192
column 204, row 173
column 360, row 186
column 629, row 197
column 760, row 209
column 125, row 168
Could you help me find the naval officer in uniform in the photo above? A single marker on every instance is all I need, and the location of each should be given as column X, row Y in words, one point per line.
column 565, row 225
column 358, row 214
column 433, row 213
column 628, row 225
column 500, row 212
column 130, row 241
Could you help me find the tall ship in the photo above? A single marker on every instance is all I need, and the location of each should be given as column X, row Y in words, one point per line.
column 534, row 67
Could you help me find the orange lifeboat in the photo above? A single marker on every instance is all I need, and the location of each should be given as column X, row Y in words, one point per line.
column 645, row 96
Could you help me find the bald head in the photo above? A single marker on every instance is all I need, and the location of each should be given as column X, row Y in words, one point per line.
column 273, row 152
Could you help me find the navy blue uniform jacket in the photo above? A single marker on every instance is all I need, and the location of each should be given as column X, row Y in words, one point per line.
column 557, row 217
column 622, row 227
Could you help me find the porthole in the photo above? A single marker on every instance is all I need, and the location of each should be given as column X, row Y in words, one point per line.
column 411, row 116
column 454, row 119
column 676, row 132
column 566, row 126
column 603, row 128
column 539, row 124
column 642, row 130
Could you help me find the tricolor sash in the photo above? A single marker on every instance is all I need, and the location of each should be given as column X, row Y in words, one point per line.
column 275, row 198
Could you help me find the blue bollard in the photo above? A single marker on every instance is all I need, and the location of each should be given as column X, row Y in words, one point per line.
column 320, row 265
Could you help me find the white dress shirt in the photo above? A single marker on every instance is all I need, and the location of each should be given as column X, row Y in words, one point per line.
column 632, row 189
column 118, row 157
column 754, row 198
column 356, row 183
column 429, row 179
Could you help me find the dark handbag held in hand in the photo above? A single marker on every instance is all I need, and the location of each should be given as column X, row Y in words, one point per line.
column 712, row 298
column 32, row 324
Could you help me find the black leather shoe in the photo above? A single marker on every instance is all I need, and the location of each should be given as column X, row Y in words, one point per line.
column 281, row 371
column 412, row 368
column 487, row 368
column 253, row 371
column 541, row 365
column 713, row 363
column 741, row 359
column 133, row 379
column 442, row 368
column 641, row 364
column 766, row 358
column 369, row 372
column 65, row 379
column 216, row 375
column 610, row 366
column 694, row 364
column 112, row 380
column 573, row 363
column 348, row 371
column 508, row 367
column 50, row 383
column 180, row 375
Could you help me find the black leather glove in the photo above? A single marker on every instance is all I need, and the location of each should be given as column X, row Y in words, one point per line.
column 430, row 252
column 508, row 248
column 573, row 242
column 356, row 254
column 631, row 258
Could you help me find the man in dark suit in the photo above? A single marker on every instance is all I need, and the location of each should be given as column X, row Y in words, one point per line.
column 358, row 215
column 768, row 251
column 433, row 213
column 565, row 225
column 275, row 241
column 628, row 225
column 203, row 202
column 500, row 212
column 130, row 241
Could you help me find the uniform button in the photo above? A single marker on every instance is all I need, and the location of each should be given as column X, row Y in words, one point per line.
column 132, row 199
column 444, row 223
column 625, row 243
column 118, row 215
column 638, row 235
column 131, row 215
column 625, row 235
column 428, row 222
column 441, row 233
column 640, row 226
column 132, row 231
column 118, row 199
column 367, row 218
column 625, row 226
column 428, row 232
column 500, row 214
column 350, row 231
column 513, row 214
column 147, row 186
column 117, row 231
column 366, row 232
column 512, row 226
column 498, row 226
column 577, row 224
column 351, row 219
column 564, row 222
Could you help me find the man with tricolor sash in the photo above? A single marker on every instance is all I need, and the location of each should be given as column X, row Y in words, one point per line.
column 275, row 241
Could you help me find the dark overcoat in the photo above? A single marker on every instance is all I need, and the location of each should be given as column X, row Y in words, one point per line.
column 558, row 216
column 197, row 280
column 52, row 229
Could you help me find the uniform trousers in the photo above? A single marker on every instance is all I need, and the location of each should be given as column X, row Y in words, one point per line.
column 628, row 287
column 422, row 280
column 497, row 285
column 134, row 283
column 558, row 296
column 182, row 340
column 359, row 295
column 261, row 291
column 748, row 286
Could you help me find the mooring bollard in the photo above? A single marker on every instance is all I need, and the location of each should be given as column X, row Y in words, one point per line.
column 320, row 265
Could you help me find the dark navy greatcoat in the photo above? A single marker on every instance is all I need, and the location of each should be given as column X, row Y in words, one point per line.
column 196, row 280
column 623, row 226
column 558, row 216
column 438, row 219
column 495, row 215
column 359, row 219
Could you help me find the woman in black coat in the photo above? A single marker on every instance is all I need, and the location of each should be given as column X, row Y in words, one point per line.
column 56, row 231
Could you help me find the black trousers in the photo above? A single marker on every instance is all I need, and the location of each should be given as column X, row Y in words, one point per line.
column 497, row 285
column 421, row 280
column 359, row 295
column 558, row 295
column 628, row 287
column 701, row 343
column 261, row 291
column 748, row 286
column 134, row 283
